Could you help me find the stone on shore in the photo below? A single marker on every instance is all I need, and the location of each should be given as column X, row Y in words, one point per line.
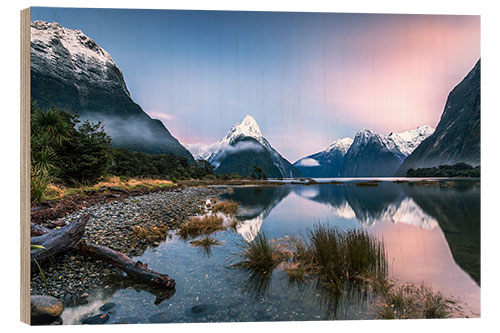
column 45, row 309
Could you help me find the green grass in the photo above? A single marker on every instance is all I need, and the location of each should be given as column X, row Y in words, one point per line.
column 335, row 256
column 260, row 256
column 205, row 242
column 410, row 301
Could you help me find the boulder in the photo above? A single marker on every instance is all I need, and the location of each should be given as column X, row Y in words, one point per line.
column 45, row 309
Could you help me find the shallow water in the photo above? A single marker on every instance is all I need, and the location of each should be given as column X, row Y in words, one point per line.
column 431, row 234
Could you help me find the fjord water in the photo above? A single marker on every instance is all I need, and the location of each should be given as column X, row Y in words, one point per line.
column 431, row 235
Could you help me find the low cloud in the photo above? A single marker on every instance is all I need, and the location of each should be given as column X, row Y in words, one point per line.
column 308, row 162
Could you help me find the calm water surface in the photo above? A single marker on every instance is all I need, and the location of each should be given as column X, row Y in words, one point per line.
column 431, row 234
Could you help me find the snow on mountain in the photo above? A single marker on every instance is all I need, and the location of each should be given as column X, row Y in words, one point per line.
column 71, row 71
column 372, row 154
column 326, row 163
column 248, row 127
column 368, row 154
column 70, row 52
column 399, row 143
column 213, row 152
column 236, row 140
column 79, row 46
column 407, row 141
column 341, row 145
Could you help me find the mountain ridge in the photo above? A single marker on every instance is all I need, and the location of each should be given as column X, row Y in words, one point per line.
column 71, row 71
column 368, row 154
column 244, row 136
column 458, row 134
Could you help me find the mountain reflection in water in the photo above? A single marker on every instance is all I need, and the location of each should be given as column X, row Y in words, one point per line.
column 432, row 233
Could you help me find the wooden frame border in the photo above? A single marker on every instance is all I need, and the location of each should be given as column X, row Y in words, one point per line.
column 25, row 164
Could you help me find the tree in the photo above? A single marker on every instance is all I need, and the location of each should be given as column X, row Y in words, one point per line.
column 86, row 157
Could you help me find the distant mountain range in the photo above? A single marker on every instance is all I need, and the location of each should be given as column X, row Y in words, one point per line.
column 70, row 71
column 241, row 149
column 369, row 154
column 458, row 135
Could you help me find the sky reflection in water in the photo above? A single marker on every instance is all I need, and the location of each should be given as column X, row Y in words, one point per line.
column 431, row 234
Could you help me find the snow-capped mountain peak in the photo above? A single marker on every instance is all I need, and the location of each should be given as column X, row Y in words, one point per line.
column 75, row 41
column 70, row 54
column 237, row 140
column 409, row 140
column 341, row 145
column 403, row 142
column 248, row 127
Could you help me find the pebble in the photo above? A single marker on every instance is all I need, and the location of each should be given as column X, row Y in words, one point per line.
column 112, row 225
column 45, row 309
column 201, row 310
column 96, row 320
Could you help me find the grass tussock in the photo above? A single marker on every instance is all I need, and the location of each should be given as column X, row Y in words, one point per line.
column 206, row 242
column 201, row 225
column 260, row 255
column 335, row 257
column 150, row 233
column 226, row 207
column 410, row 301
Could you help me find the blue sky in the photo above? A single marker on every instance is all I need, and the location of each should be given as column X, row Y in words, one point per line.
column 307, row 78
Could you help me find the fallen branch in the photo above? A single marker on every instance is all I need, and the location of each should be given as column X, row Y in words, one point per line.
column 135, row 270
column 57, row 241
column 68, row 238
column 38, row 230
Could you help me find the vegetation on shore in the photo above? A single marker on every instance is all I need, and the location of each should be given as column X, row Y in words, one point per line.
column 260, row 256
column 456, row 170
column 201, row 225
column 70, row 156
column 411, row 301
column 368, row 183
column 336, row 257
column 337, row 261
column 226, row 207
column 205, row 243
column 107, row 185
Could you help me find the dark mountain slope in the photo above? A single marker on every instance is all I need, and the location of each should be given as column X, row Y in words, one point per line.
column 70, row 71
column 458, row 135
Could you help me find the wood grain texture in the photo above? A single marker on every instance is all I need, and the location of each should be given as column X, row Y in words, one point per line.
column 25, row 165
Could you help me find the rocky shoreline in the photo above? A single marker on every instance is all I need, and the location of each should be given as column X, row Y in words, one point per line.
column 128, row 225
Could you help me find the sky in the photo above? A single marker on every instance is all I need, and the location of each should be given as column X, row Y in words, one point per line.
column 307, row 78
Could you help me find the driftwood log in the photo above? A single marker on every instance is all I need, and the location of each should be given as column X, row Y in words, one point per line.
column 135, row 269
column 57, row 241
column 68, row 238
column 38, row 230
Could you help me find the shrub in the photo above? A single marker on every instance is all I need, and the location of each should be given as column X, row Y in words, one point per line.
column 39, row 186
